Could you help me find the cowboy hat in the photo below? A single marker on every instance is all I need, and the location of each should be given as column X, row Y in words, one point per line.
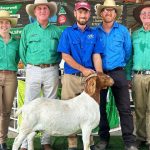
column 137, row 11
column 6, row 15
column 52, row 6
column 109, row 4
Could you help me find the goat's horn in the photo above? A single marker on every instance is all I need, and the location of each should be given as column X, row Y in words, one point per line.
column 90, row 76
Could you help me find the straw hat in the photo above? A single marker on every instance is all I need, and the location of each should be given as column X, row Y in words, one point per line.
column 52, row 6
column 109, row 4
column 137, row 11
column 6, row 15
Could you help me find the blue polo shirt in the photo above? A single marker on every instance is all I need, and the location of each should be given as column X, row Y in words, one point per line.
column 81, row 45
column 116, row 45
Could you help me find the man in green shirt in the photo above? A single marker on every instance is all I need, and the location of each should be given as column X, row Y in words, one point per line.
column 38, row 51
column 141, row 76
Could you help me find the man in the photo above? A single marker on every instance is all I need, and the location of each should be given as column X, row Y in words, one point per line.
column 141, row 70
column 116, row 43
column 38, row 51
column 80, row 51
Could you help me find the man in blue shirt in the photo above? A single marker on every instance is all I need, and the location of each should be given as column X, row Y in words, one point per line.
column 116, row 44
column 81, row 53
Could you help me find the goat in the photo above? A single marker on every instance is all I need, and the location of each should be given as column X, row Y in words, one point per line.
column 64, row 117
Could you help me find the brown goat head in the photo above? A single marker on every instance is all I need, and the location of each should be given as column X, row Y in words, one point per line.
column 96, row 82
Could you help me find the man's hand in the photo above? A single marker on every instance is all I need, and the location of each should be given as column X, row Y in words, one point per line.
column 86, row 72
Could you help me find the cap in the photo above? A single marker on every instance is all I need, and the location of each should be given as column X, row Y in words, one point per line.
column 85, row 5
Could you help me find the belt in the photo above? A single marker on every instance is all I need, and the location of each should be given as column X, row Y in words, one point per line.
column 115, row 69
column 7, row 71
column 44, row 65
column 79, row 74
column 144, row 72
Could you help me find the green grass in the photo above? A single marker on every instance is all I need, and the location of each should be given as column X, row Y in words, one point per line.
column 60, row 143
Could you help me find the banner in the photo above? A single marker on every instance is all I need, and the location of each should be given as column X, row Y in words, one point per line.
column 12, row 8
column 64, row 16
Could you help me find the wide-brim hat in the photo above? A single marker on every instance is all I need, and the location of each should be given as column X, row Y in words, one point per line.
column 109, row 4
column 137, row 11
column 6, row 15
column 52, row 6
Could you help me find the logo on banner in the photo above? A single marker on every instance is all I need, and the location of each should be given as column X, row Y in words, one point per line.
column 12, row 8
column 62, row 19
column 62, row 11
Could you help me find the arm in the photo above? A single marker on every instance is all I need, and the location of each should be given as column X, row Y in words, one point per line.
column 17, row 58
column 23, row 47
column 98, row 51
column 97, row 62
column 69, row 60
column 127, row 45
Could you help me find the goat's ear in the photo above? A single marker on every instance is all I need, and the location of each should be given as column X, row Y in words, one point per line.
column 90, row 86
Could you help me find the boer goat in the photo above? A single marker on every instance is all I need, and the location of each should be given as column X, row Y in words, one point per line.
column 64, row 117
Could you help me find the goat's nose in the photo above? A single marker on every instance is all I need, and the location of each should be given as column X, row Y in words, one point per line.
column 112, row 81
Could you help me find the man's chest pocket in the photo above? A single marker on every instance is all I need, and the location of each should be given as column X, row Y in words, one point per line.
column 53, row 44
column 34, row 44
column 117, row 42
column 76, row 45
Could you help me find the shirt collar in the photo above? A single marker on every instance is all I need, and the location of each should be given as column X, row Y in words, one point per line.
column 143, row 30
column 75, row 26
column 11, row 38
column 115, row 25
column 40, row 24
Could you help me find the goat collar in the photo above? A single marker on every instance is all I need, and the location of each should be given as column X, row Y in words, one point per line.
column 90, row 76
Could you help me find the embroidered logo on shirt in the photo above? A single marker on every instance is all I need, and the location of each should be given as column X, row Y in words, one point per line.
column 34, row 35
column 90, row 36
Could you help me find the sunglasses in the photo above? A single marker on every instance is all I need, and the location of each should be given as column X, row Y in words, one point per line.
column 110, row 10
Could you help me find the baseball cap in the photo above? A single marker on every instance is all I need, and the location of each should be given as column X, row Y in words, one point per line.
column 85, row 5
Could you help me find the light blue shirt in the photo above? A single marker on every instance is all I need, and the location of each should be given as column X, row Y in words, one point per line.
column 116, row 46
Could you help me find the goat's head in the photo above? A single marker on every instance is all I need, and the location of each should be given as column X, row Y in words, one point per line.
column 96, row 82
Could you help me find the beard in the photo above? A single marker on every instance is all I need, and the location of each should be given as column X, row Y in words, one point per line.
column 108, row 19
column 82, row 22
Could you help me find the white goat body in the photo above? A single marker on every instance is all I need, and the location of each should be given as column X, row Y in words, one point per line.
column 58, row 117
column 64, row 117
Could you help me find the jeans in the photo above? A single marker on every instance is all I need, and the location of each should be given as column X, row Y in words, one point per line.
column 122, row 101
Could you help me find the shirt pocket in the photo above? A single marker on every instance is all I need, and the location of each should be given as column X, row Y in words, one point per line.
column 76, row 45
column 136, row 44
column 117, row 41
column 54, row 44
column 34, row 44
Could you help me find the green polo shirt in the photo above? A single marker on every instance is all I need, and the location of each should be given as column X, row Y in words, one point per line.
column 39, row 45
column 9, row 54
column 141, row 49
